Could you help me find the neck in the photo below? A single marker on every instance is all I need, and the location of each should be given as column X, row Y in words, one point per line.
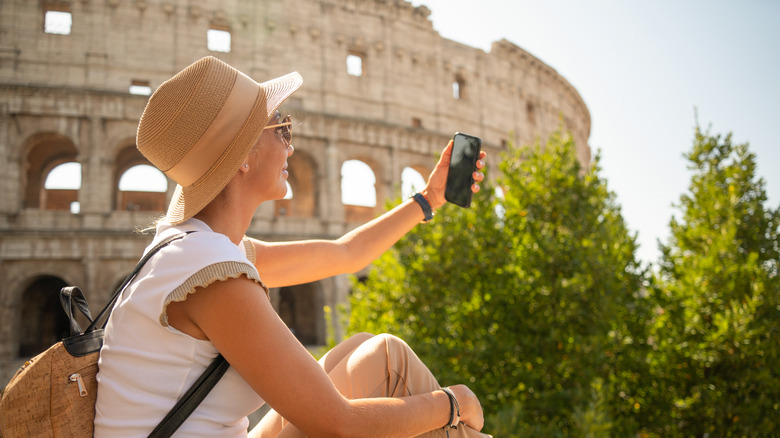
column 229, row 218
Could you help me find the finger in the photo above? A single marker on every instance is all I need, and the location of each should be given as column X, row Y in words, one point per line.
column 475, row 188
column 478, row 176
column 480, row 164
column 447, row 152
column 444, row 159
column 482, row 155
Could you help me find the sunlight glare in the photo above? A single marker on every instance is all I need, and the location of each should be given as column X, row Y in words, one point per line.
column 143, row 178
column 358, row 184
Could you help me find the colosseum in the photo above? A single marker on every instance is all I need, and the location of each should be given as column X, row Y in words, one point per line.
column 383, row 91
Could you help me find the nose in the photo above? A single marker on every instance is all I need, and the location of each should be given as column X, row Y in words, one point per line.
column 290, row 150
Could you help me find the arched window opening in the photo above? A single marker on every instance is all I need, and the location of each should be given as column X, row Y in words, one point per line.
column 358, row 191
column 45, row 151
column 61, row 188
column 42, row 320
column 412, row 182
column 300, row 200
column 459, row 88
column 300, row 307
column 142, row 188
column 358, row 184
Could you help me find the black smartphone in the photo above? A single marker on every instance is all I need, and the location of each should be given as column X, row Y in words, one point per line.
column 465, row 152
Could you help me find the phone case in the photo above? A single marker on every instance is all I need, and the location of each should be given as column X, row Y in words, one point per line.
column 463, row 163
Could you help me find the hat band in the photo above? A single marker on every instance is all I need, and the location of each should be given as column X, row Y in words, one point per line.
column 219, row 135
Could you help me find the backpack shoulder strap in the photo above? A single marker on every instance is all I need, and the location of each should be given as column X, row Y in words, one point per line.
column 188, row 402
column 110, row 305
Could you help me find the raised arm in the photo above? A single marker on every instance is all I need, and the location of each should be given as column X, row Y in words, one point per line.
column 282, row 264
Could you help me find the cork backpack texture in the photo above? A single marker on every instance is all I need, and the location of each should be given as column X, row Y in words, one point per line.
column 54, row 393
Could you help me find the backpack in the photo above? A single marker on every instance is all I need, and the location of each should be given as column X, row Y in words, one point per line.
column 54, row 393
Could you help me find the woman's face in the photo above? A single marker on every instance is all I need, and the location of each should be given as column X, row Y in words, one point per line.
column 268, row 162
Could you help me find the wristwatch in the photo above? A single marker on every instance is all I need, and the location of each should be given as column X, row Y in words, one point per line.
column 426, row 207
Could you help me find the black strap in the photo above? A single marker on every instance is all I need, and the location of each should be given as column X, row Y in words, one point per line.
column 110, row 305
column 187, row 404
column 72, row 296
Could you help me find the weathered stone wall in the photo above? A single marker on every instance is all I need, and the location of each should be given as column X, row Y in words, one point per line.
column 65, row 98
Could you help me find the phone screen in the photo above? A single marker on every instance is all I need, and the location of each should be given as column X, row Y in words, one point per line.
column 465, row 151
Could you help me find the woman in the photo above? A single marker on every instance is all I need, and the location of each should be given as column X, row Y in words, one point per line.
column 218, row 134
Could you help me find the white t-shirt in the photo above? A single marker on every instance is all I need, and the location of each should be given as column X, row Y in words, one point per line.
column 145, row 365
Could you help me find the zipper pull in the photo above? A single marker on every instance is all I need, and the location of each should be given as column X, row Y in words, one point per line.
column 77, row 378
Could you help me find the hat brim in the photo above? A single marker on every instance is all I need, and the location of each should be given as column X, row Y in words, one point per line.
column 188, row 201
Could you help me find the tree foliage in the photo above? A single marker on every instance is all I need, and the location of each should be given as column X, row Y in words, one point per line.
column 533, row 299
column 536, row 300
column 718, row 294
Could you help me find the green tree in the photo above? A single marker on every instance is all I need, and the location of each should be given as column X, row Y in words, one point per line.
column 718, row 321
column 533, row 298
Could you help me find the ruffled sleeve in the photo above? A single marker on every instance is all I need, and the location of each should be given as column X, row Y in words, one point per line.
column 217, row 272
column 249, row 249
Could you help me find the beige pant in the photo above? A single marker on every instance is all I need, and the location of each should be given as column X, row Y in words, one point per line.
column 367, row 366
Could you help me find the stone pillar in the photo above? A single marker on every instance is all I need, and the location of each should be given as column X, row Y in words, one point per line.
column 97, row 186
column 335, row 294
column 9, row 165
column 330, row 201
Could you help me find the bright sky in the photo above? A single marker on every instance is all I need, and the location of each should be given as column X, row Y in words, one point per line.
column 644, row 69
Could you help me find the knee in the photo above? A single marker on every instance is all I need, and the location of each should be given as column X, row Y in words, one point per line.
column 391, row 340
column 360, row 337
column 393, row 345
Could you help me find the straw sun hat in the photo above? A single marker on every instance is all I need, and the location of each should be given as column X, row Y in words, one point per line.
column 199, row 126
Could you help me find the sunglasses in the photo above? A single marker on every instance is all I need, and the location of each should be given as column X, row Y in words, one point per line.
column 284, row 129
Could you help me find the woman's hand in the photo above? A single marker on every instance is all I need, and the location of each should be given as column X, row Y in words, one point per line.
column 437, row 181
column 470, row 408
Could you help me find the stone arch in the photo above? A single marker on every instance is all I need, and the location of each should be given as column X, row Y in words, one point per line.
column 129, row 156
column 61, row 198
column 361, row 213
column 43, row 152
column 42, row 321
column 420, row 170
column 302, row 179
column 301, row 308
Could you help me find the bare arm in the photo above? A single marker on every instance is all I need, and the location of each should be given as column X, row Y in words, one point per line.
column 279, row 263
column 238, row 318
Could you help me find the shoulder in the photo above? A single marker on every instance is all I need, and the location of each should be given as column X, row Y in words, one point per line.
column 198, row 260
column 200, row 246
